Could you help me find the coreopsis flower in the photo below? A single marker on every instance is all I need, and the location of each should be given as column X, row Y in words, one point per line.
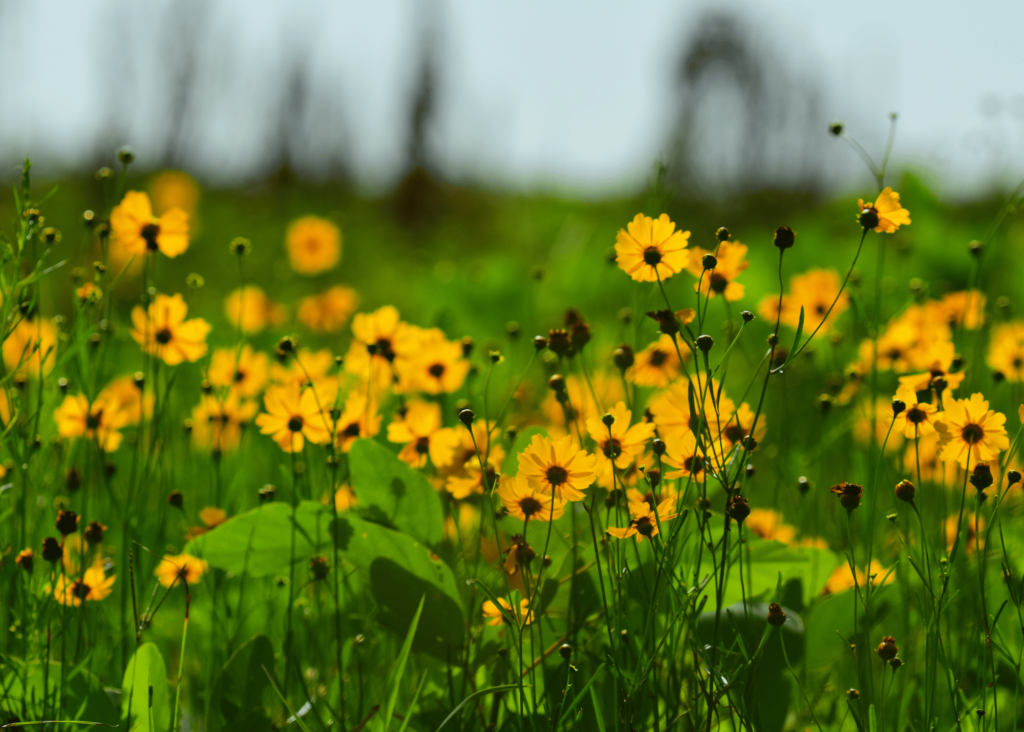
column 670, row 409
column 895, row 350
column 137, row 231
column 421, row 432
column 769, row 525
column 643, row 521
column 618, row 442
column 174, row 189
column 329, row 311
column 580, row 403
column 935, row 357
column 89, row 292
column 471, row 479
column 217, row 422
column 917, row 419
column 313, row 244
column 99, row 421
column 721, row 280
column 92, row 587
column 887, row 649
column 737, row 423
column 211, row 517
column 956, row 309
column 183, row 566
column 843, row 579
column 649, row 249
column 657, row 365
column 294, row 415
column 971, row 432
column 523, row 615
column 665, row 493
column 127, row 392
column 344, row 499
column 814, row 291
column 683, row 453
column 557, row 468
column 359, row 418
column 850, row 494
column 437, row 366
column 307, row 368
column 243, row 371
column 162, row 330
column 1006, row 351
column 524, row 502
column 31, row 347
column 888, row 210
column 248, row 308
column 383, row 333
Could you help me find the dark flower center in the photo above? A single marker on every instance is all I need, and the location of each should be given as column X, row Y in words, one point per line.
column 150, row 232
column 718, row 283
column 1018, row 362
column 652, row 256
column 645, row 526
column 916, row 415
column 239, row 376
column 80, row 589
column 529, row 506
column 295, row 424
column 436, row 370
column 820, row 308
column 735, row 433
column 385, row 349
column 612, row 448
column 423, row 445
column 557, row 475
column 92, row 421
column 694, row 464
column 352, row 430
column 972, row 434
column 658, row 357
column 163, row 336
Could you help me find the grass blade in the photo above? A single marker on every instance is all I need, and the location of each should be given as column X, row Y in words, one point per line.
column 471, row 697
column 399, row 671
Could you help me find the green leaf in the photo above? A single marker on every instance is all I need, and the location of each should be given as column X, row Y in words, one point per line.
column 395, row 680
column 392, row 493
column 523, row 439
column 146, row 669
column 471, row 697
column 85, row 698
column 238, row 689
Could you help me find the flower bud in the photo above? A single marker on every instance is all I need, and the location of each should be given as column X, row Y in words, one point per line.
column 906, row 491
column 887, row 649
column 784, row 238
column 319, row 567
column 738, row 508
column 240, row 246
column 557, row 383
column 803, row 484
column 466, row 416
column 898, row 406
column 975, row 248
column 53, row 552
column 722, row 234
column 608, row 420
column 666, row 319
column 565, row 651
column 176, row 499
column 776, row 616
column 705, row 343
column 658, row 446
column 540, row 342
column 868, row 218
column 623, row 357
column 1012, row 476
column 747, row 316
column 266, row 493
column 981, row 476
column 836, row 128
column 126, row 156
column 26, row 560
column 709, row 261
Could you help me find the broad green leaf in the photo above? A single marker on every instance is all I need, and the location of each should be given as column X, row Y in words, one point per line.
column 146, row 669
column 238, row 689
column 85, row 698
column 392, row 493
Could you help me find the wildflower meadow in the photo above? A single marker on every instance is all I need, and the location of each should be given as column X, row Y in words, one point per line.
column 281, row 458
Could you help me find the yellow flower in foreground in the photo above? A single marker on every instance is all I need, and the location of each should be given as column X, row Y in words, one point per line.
column 557, row 468
column 243, row 371
column 620, row 442
column 842, row 579
column 314, row 245
column 651, row 248
column 163, row 331
column 523, row 616
column 139, row 232
column 101, row 420
column 523, row 502
column 31, row 346
column 183, row 566
column 971, row 432
column 918, row 419
column 420, row 430
column 293, row 415
column 93, row 586
column 643, row 521
column 328, row 313
column 436, row 367
column 887, row 207
column 250, row 307
column 358, row 419
column 306, row 365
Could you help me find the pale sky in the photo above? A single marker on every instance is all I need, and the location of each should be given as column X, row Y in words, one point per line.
column 571, row 95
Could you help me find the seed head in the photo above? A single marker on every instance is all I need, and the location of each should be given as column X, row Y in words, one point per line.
column 852, row 694
column 319, row 567
column 240, row 246
column 53, row 552
column 981, row 476
column 176, row 499
column 266, row 493
column 739, row 509
column 94, row 533
column 784, row 238
column 887, row 649
column 559, row 343
column 25, row 560
column 666, row 320
column 776, row 616
column 67, row 522
column 850, row 494
column 286, row 346
column 50, row 235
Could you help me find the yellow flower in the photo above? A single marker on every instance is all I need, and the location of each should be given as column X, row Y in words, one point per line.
column 557, row 468
column 524, row 616
column 306, row 365
column 293, row 415
column 522, row 501
column 581, row 405
column 251, row 309
column 670, row 409
column 965, row 308
column 164, row 332
column 139, row 232
column 31, row 346
column 174, row 189
column 813, row 291
column 917, row 419
column 935, row 357
column 769, row 525
column 314, row 245
column 657, row 365
column 471, row 479
column 643, row 521
column 94, row 586
column 683, row 453
column 101, row 420
column 420, row 430
column 183, row 566
column 1006, row 351
column 721, row 280
column 243, row 371
column 89, row 291
column 344, row 499
column 436, row 367
column 736, row 424
column 887, row 207
column 217, row 422
column 970, row 431
column 651, row 248
column 842, row 578
column 975, row 527
column 383, row 332
column 212, row 517
column 359, row 418
column 127, row 394
column 620, row 442
column 328, row 312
